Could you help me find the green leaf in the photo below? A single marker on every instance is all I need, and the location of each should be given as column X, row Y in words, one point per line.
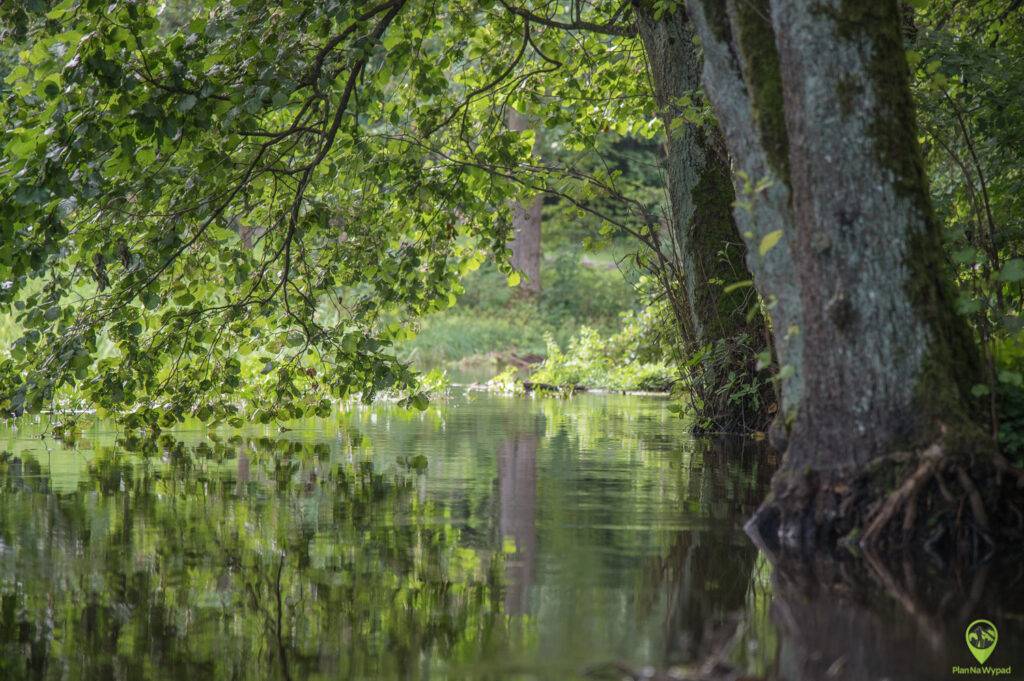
column 1014, row 378
column 769, row 241
column 764, row 359
column 966, row 256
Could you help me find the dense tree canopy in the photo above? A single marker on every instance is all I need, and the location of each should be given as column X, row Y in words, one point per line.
column 251, row 199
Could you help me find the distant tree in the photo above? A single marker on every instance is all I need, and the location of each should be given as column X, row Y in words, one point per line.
column 527, row 216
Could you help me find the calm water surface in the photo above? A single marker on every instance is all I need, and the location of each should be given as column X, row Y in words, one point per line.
column 486, row 538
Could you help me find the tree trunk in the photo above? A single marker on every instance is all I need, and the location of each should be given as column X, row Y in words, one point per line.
column 526, row 219
column 752, row 120
column 815, row 101
column 705, row 249
column 886, row 357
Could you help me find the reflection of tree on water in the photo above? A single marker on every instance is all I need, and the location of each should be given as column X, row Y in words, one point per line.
column 843, row 618
column 168, row 573
column 707, row 578
column 517, row 486
column 899, row 618
column 709, row 572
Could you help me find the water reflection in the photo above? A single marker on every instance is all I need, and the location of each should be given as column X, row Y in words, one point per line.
column 866, row 619
column 487, row 538
column 329, row 551
column 517, row 485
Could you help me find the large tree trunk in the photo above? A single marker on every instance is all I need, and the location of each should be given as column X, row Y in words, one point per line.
column 755, row 133
column 886, row 356
column 703, row 246
column 526, row 219
column 814, row 99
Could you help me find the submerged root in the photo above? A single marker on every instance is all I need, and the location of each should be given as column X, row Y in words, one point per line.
column 974, row 496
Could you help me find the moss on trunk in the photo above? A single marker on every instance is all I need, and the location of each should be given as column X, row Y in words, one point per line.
column 885, row 449
column 707, row 251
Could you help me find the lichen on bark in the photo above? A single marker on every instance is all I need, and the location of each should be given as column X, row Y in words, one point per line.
column 756, row 42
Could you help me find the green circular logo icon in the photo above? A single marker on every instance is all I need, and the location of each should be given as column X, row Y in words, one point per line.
column 982, row 637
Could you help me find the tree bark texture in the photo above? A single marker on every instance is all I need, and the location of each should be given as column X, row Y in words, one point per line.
column 815, row 103
column 885, row 355
column 816, row 106
column 755, row 134
column 704, row 245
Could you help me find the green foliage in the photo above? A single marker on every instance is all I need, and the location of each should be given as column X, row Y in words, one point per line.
column 490, row 318
column 247, row 203
column 507, row 382
column 141, row 164
column 968, row 63
column 612, row 363
column 720, row 386
column 1009, row 398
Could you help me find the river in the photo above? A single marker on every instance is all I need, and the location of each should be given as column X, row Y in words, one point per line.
column 487, row 537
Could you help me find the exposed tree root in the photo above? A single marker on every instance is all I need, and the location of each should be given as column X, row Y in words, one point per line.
column 907, row 492
column 1008, row 468
column 977, row 505
column 950, row 498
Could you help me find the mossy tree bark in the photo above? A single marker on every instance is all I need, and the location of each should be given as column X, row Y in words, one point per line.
column 815, row 101
column 886, row 356
column 752, row 119
column 702, row 251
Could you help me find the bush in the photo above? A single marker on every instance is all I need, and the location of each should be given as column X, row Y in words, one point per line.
column 592, row 361
column 491, row 317
column 1010, row 398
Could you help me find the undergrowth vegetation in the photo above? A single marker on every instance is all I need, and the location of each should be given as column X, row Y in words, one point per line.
column 620, row 361
column 492, row 321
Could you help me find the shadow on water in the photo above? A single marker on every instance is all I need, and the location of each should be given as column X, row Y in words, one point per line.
column 487, row 538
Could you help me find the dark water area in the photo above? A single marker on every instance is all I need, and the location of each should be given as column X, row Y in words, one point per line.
column 486, row 538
